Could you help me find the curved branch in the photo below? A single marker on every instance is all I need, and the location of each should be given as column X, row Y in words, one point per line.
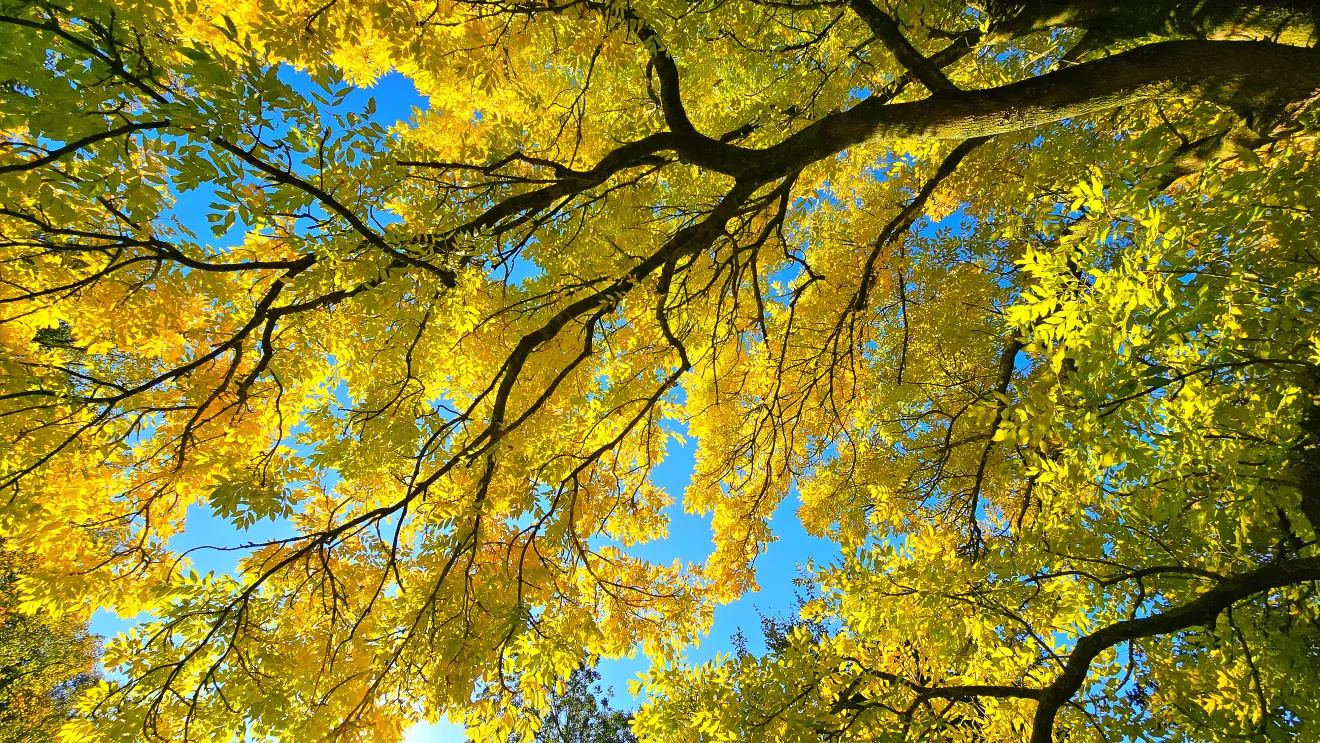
column 698, row 147
column 83, row 143
column 278, row 175
column 644, row 151
column 1255, row 79
column 886, row 30
column 1203, row 610
column 901, row 223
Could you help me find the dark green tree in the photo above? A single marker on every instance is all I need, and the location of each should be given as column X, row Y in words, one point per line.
column 581, row 713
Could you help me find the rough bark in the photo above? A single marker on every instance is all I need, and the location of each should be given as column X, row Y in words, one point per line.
column 1285, row 21
column 1306, row 457
column 1258, row 80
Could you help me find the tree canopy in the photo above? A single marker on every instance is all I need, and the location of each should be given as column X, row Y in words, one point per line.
column 44, row 664
column 580, row 712
column 1017, row 299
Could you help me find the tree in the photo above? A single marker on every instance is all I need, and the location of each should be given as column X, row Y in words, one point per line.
column 581, row 713
column 1019, row 297
column 44, row 664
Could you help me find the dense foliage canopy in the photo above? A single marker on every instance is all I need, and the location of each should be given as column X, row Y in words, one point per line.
column 44, row 664
column 1018, row 298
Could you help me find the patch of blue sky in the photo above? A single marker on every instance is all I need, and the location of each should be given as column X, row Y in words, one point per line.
column 691, row 539
column 391, row 100
column 211, row 543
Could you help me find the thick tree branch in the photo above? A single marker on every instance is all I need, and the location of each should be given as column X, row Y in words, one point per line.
column 886, row 30
column 695, row 146
column 1253, row 78
column 1108, row 21
column 1203, row 610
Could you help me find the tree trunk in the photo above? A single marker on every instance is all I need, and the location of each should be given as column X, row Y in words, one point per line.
column 1291, row 22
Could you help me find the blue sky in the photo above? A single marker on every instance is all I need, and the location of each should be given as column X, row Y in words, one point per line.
column 690, row 536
